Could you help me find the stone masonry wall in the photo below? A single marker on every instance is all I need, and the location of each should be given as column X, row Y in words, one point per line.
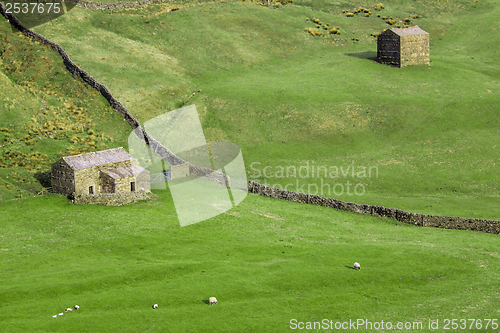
column 84, row 178
column 62, row 178
column 446, row 222
column 107, row 183
column 111, row 199
column 122, row 185
column 414, row 50
column 388, row 49
column 91, row 5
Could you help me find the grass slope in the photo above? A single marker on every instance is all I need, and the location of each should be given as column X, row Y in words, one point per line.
column 289, row 99
column 266, row 261
column 45, row 114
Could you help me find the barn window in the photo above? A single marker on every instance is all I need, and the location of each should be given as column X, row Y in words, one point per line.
column 132, row 186
column 91, row 189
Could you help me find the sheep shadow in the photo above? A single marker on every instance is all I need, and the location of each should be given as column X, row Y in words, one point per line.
column 351, row 267
column 206, row 301
column 368, row 55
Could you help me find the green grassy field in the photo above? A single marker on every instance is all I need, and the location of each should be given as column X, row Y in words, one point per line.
column 266, row 261
column 430, row 135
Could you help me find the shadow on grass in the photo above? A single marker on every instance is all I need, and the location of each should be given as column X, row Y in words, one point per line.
column 351, row 267
column 368, row 55
column 43, row 178
column 206, row 301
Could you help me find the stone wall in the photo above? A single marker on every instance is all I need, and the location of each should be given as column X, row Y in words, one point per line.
column 388, row 49
column 122, row 184
column 446, row 222
column 84, row 178
column 62, row 178
column 91, row 5
column 107, row 183
column 414, row 50
column 111, row 199
column 74, row 69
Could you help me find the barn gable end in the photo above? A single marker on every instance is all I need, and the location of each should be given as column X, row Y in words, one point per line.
column 62, row 177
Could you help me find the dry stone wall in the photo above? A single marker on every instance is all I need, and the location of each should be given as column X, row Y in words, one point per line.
column 91, row 5
column 111, row 199
column 446, row 222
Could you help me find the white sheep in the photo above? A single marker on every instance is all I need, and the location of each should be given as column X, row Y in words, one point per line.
column 357, row 266
column 76, row 307
column 155, row 306
column 212, row 300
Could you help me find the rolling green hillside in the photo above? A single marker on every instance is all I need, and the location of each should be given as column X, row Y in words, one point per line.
column 429, row 135
column 288, row 98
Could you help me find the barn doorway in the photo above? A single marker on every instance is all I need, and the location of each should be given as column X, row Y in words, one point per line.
column 132, row 186
column 91, row 189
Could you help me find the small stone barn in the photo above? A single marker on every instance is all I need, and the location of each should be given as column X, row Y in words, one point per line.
column 403, row 47
column 106, row 171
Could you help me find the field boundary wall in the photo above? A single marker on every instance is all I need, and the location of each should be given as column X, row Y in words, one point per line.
column 110, row 199
column 92, row 5
column 445, row 222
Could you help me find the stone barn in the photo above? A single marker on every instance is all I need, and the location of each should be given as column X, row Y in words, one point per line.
column 106, row 171
column 403, row 47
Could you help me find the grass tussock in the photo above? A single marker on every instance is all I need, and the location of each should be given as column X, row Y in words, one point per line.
column 313, row 32
column 320, row 25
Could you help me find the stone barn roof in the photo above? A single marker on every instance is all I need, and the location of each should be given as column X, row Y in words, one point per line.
column 97, row 158
column 124, row 171
column 411, row 31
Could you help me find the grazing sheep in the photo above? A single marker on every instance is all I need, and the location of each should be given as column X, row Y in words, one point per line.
column 76, row 307
column 357, row 266
column 68, row 310
column 155, row 306
column 212, row 300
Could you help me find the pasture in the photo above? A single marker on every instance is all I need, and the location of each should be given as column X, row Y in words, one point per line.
column 292, row 102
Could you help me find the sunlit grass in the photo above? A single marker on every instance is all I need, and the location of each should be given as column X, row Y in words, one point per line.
column 273, row 260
